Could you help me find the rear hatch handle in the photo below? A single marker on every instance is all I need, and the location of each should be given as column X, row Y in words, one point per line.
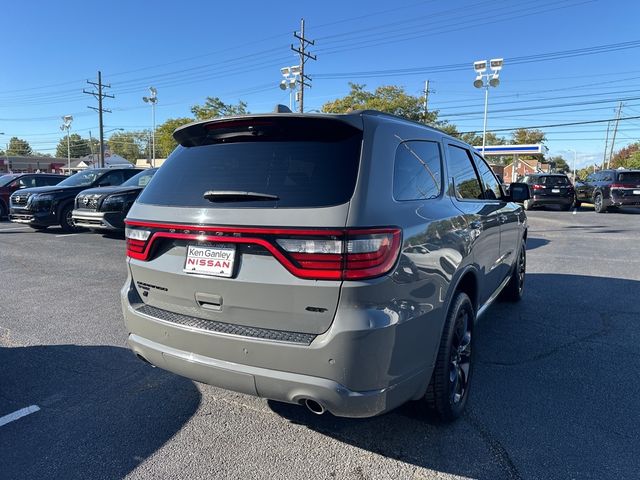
column 209, row 301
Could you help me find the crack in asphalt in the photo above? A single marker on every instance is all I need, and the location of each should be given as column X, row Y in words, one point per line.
column 607, row 327
column 499, row 452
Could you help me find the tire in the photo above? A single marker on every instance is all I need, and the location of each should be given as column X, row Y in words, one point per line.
column 3, row 210
column 66, row 222
column 598, row 204
column 513, row 290
column 577, row 203
column 527, row 205
column 566, row 208
column 448, row 391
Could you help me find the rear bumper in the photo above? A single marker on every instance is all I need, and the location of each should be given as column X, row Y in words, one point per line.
column 322, row 371
column 626, row 200
column 98, row 220
column 546, row 200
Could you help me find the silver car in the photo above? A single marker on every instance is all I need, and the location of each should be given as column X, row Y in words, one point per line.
column 333, row 261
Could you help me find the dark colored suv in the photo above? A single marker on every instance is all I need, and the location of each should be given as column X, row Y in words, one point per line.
column 16, row 181
column 549, row 189
column 332, row 261
column 105, row 208
column 42, row 207
column 609, row 189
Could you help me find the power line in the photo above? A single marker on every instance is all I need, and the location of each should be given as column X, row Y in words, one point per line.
column 555, row 125
column 304, row 56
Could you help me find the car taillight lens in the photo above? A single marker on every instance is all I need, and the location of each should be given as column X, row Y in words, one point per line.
column 538, row 187
column 317, row 254
column 622, row 185
column 136, row 240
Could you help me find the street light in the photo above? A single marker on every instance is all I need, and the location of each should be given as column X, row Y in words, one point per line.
column 291, row 75
column 487, row 79
column 152, row 99
column 66, row 125
column 575, row 157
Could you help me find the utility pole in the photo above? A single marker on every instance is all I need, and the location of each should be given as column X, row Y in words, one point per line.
column 426, row 99
column 615, row 130
column 99, row 95
column 606, row 145
column 304, row 56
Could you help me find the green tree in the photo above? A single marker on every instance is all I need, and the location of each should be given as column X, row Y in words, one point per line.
column 129, row 145
column 165, row 144
column 559, row 164
column 19, row 148
column 627, row 157
column 387, row 98
column 78, row 146
column 214, row 107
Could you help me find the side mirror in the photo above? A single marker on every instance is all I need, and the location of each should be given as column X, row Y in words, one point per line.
column 519, row 192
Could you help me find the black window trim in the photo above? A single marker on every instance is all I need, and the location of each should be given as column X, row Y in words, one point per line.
column 474, row 154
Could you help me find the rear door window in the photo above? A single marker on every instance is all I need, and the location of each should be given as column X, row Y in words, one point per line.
column 303, row 162
column 417, row 171
column 465, row 179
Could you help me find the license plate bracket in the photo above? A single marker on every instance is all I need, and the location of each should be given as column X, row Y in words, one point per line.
column 215, row 260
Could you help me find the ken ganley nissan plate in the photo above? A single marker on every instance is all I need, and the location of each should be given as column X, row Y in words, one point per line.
column 215, row 260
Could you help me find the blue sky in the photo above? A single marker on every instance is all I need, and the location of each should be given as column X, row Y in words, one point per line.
column 234, row 50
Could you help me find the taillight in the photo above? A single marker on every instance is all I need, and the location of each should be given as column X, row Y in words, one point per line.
column 317, row 254
column 136, row 241
column 622, row 185
column 538, row 187
column 357, row 255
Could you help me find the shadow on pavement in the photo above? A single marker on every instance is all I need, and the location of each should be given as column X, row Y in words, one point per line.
column 533, row 243
column 102, row 413
column 549, row 398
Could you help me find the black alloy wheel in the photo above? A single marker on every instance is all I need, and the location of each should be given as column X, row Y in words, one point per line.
column 66, row 220
column 514, row 290
column 598, row 204
column 448, row 390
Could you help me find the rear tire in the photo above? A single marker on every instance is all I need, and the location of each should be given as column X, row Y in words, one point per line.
column 514, row 290
column 448, row 390
column 66, row 222
column 566, row 208
column 598, row 204
column 3, row 210
column 577, row 204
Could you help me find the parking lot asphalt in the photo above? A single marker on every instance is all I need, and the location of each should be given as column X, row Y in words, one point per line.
column 555, row 393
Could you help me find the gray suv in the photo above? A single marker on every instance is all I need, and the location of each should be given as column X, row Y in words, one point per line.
column 334, row 261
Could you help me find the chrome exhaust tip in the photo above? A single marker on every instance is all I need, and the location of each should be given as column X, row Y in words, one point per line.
column 314, row 407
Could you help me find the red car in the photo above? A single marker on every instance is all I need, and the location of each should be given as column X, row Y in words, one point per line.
column 15, row 181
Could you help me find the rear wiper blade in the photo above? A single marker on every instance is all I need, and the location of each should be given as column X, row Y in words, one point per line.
column 236, row 196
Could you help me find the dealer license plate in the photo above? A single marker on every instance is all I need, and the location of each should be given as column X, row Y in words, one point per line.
column 555, row 190
column 210, row 260
column 636, row 192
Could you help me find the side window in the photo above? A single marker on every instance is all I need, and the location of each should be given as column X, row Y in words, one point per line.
column 465, row 180
column 489, row 180
column 130, row 173
column 27, row 182
column 112, row 178
column 45, row 181
column 417, row 172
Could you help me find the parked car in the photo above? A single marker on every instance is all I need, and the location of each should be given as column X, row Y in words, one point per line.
column 549, row 189
column 41, row 207
column 608, row 189
column 15, row 181
column 105, row 208
column 271, row 255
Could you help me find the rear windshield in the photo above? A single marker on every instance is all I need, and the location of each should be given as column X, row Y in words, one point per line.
column 304, row 162
column 553, row 180
column 629, row 177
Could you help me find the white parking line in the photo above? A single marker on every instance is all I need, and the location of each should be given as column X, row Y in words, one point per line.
column 14, row 229
column 23, row 412
column 67, row 235
column 575, row 210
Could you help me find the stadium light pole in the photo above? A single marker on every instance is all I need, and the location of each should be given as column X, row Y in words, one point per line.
column 152, row 99
column 66, row 125
column 487, row 79
column 290, row 81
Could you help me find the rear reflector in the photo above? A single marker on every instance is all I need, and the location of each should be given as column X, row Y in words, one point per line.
column 341, row 254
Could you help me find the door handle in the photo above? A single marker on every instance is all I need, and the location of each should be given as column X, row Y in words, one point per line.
column 502, row 218
column 209, row 302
